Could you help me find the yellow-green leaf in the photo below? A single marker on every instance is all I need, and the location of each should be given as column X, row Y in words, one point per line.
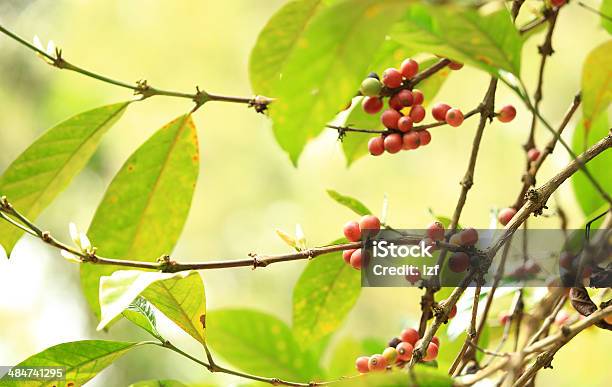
column 596, row 83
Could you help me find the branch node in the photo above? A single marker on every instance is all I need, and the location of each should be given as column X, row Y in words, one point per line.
column 143, row 89
column 4, row 204
column 46, row 236
column 259, row 103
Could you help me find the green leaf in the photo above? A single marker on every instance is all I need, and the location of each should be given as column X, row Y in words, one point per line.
column 140, row 312
column 259, row 343
column 46, row 168
column 323, row 296
column 158, row 383
column 325, row 71
column 596, row 83
column 349, row 202
column 422, row 375
column 83, row 360
column 276, row 42
column 606, row 11
column 179, row 296
column 145, row 207
column 586, row 195
column 490, row 42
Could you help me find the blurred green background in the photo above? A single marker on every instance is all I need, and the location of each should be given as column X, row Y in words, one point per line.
column 247, row 186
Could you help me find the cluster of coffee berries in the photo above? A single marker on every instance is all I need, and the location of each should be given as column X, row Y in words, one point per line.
column 406, row 109
column 398, row 352
column 460, row 261
column 353, row 231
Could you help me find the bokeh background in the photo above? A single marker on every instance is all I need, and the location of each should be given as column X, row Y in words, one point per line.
column 247, row 186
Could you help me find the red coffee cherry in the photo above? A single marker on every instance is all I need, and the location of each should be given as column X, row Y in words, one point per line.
column 439, row 111
column 377, row 363
column 435, row 340
column 431, row 353
column 533, row 154
column 561, row 317
column 417, row 113
column 454, row 117
column 393, row 143
column 362, row 364
column 346, row 255
column 395, row 103
column 352, row 232
column 411, row 140
column 453, row 313
column 424, row 137
column 459, row 262
column 469, row 237
column 435, row 231
column 532, row 267
column 505, row 215
column 455, row 239
column 409, row 68
column 417, row 97
column 371, row 105
column 455, row 65
column 506, row 114
column 405, row 97
column 566, row 259
column 376, row 146
column 370, row 223
column 389, row 118
column 409, row 335
column 504, row 318
column 557, row 3
column 413, row 278
column 356, row 259
column 404, row 351
column 404, row 124
column 390, row 354
column 392, row 78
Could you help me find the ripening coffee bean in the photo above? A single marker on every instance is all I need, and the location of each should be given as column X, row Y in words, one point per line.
column 413, row 278
column 417, row 113
column 411, row 140
column 608, row 319
column 424, row 137
column 504, row 319
column 376, row 146
column 346, row 255
column 394, row 342
column 404, row 351
column 439, row 111
column 377, row 363
column 370, row 223
column 370, row 87
column 417, row 97
column 371, row 105
column 557, row 3
column 405, row 97
column 392, row 78
column 469, row 237
column 533, row 154
column 436, row 341
column 532, row 267
column 352, row 232
column 431, row 353
column 455, row 65
column 390, row 354
column 506, row 114
column 459, row 262
column 505, row 215
column 455, row 239
column 436, row 231
column 372, row 74
column 395, row 103
column 454, row 117
column 356, row 259
column 393, row 143
column 389, row 118
column 453, row 313
column 565, row 260
column 404, row 124
column 409, row 335
column 409, row 68
column 362, row 364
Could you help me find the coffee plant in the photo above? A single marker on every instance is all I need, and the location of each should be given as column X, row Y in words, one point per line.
column 368, row 70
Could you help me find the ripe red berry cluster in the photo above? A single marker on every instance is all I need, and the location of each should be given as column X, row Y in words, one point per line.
column 406, row 109
column 399, row 351
column 353, row 231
